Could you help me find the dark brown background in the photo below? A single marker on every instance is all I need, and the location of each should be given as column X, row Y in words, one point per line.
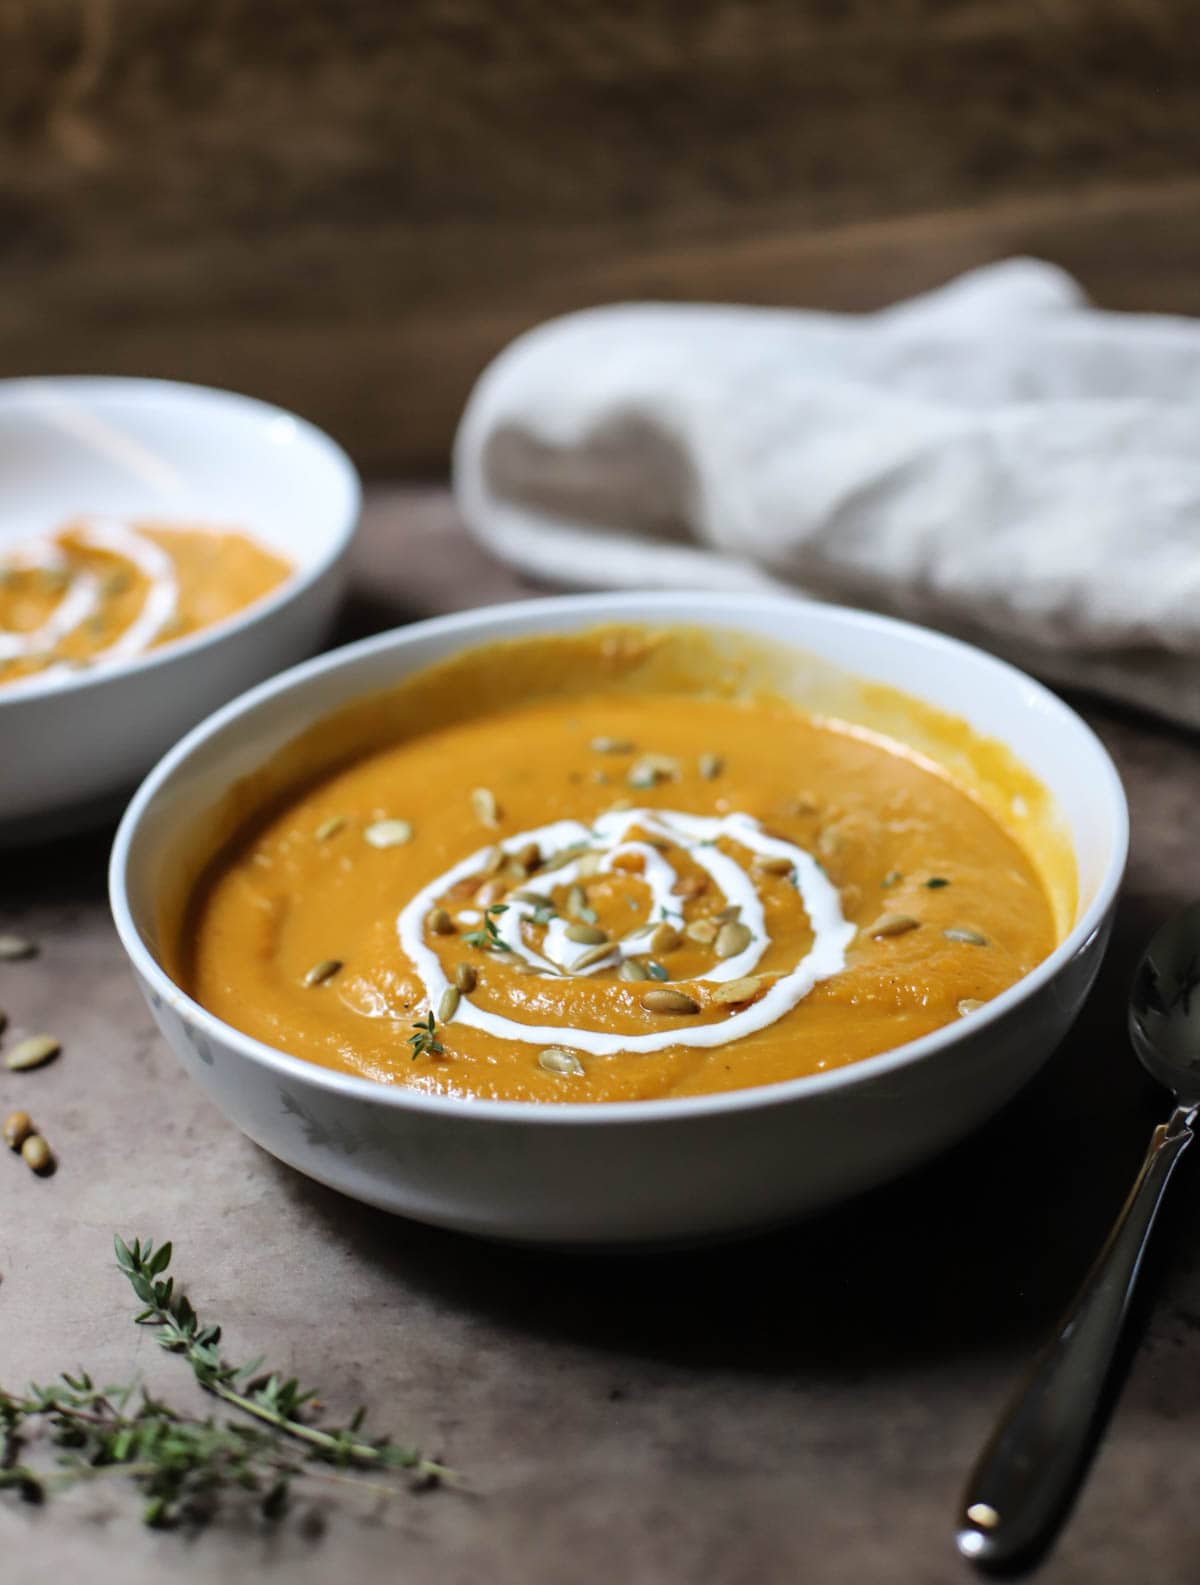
column 349, row 205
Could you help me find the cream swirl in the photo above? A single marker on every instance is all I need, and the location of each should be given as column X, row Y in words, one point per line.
column 610, row 839
column 82, row 596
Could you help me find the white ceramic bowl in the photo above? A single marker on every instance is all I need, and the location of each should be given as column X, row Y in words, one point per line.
column 72, row 749
column 644, row 1171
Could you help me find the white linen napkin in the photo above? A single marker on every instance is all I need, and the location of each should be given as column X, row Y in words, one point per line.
column 997, row 459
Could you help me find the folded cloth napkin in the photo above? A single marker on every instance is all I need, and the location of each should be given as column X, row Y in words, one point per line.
column 997, row 459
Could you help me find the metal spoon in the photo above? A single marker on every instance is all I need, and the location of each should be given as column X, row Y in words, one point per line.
column 1026, row 1476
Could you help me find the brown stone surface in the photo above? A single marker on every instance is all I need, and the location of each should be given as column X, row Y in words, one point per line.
column 349, row 206
column 799, row 1408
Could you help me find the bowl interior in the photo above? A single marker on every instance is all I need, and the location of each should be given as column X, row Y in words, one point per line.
column 162, row 842
column 150, row 448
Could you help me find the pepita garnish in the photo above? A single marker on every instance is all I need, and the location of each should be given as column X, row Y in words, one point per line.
column 744, row 990
column 493, row 859
column 31, row 1052
column 665, row 938
column 773, row 864
column 330, row 828
column 321, row 972
column 589, row 935
column 710, row 766
column 935, row 883
column 590, row 956
column 535, row 899
column 612, row 745
column 447, row 1004
column 555, row 1060
column 730, row 912
column 530, row 856
column 14, row 948
column 732, row 938
column 663, row 1000
column 576, row 901
column 388, row 833
column 969, row 1005
column 632, row 969
column 589, row 865
column 893, row 925
column 439, row 922
column 690, row 886
column 703, row 931
column 651, row 769
column 465, row 978
column 970, row 938
column 484, row 806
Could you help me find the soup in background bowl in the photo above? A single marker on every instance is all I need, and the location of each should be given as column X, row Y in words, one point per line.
column 838, row 886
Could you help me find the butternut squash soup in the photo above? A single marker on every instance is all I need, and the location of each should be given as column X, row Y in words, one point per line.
column 101, row 590
column 588, row 868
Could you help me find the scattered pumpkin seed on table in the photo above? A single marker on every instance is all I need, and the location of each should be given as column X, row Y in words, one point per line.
column 17, row 1128
column 31, row 1052
column 13, row 949
column 35, row 1153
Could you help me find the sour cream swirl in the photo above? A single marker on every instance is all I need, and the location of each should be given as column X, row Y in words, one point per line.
column 610, row 837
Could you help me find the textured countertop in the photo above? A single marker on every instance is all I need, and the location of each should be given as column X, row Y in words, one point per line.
column 800, row 1408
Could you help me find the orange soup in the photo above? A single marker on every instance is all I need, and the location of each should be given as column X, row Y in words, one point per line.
column 101, row 590
column 595, row 885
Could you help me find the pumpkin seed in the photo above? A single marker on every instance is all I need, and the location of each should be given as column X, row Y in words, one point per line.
column 447, row 1004
column 612, row 745
column 690, row 886
column 17, row 1128
column 935, row 883
column 733, row 911
column 35, row 1153
column 14, row 948
column 31, row 1052
column 631, row 969
column 535, row 899
column 736, row 990
column 465, row 978
column 485, row 807
column 970, row 938
column 732, row 938
column 439, row 922
column 591, row 956
column 330, row 828
column 323, row 971
column 665, row 938
column 564, row 856
column 388, row 833
column 589, row 864
column 969, row 1005
column 703, row 931
column 666, row 1001
column 493, row 858
column 514, row 870
column 773, row 864
column 490, row 892
column 651, row 769
column 710, row 766
column 893, row 925
column 576, row 901
column 555, row 1060
column 589, row 935
column 530, row 856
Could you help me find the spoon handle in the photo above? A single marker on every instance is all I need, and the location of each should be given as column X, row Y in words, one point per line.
column 1028, row 1472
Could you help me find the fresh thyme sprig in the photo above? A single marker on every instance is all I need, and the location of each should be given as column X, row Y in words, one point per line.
column 424, row 1040
column 183, row 1464
column 487, row 936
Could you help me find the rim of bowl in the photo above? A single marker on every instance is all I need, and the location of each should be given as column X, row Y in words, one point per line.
column 302, row 578
column 704, row 606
